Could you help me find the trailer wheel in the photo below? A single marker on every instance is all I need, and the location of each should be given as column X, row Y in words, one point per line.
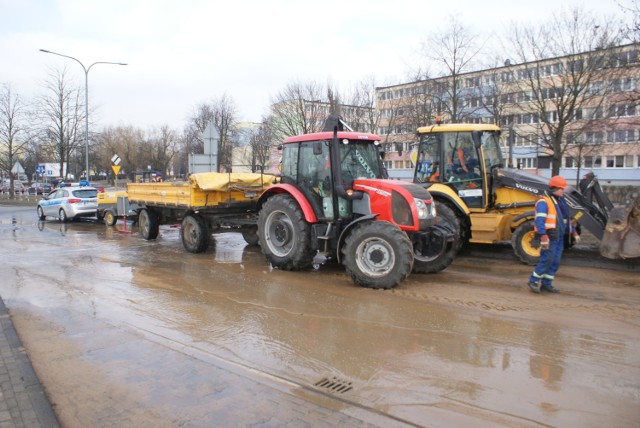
column 109, row 218
column 377, row 254
column 149, row 226
column 284, row 234
column 195, row 234
column 433, row 260
column 525, row 243
column 250, row 235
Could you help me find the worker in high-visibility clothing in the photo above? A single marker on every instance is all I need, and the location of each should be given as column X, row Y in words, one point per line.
column 552, row 224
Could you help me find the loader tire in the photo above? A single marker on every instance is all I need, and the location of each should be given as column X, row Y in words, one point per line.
column 284, row 234
column 429, row 261
column 525, row 243
column 149, row 225
column 377, row 254
column 195, row 234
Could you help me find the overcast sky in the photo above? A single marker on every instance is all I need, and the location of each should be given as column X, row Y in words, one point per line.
column 185, row 52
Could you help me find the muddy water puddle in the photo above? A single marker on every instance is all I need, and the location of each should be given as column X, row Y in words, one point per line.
column 458, row 346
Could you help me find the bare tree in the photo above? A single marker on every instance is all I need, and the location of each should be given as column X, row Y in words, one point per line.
column 14, row 133
column 363, row 97
column 568, row 95
column 454, row 50
column 225, row 120
column 260, row 143
column 61, row 114
column 631, row 31
column 222, row 112
column 164, row 147
column 296, row 110
column 123, row 141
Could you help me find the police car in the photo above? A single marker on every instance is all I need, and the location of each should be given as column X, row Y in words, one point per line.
column 68, row 203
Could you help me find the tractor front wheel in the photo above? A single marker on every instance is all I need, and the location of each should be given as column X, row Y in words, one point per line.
column 377, row 254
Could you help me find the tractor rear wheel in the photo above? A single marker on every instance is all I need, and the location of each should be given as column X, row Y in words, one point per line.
column 284, row 234
column 195, row 234
column 377, row 254
column 525, row 243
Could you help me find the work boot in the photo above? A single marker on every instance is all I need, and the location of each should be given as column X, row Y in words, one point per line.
column 550, row 288
column 534, row 286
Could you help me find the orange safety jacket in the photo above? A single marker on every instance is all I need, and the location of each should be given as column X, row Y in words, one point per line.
column 551, row 217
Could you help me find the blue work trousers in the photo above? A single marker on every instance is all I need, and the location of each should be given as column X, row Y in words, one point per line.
column 548, row 264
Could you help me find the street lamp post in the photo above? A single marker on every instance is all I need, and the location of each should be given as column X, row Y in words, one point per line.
column 86, row 99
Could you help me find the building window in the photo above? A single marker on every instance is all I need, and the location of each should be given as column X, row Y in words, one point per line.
column 526, row 163
column 568, row 162
column 622, row 110
column 594, row 137
column 506, row 76
column 621, row 136
column 595, row 88
column 623, row 85
column 624, row 58
column 592, row 162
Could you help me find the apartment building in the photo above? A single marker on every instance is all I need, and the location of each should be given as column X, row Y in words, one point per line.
column 590, row 100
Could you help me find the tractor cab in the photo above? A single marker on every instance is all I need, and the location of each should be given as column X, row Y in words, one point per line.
column 460, row 156
column 324, row 165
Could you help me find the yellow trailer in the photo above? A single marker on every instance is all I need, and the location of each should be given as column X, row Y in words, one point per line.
column 207, row 203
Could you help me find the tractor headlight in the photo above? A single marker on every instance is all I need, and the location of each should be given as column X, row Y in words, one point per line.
column 423, row 209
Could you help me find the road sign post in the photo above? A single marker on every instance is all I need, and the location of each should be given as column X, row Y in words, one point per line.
column 115, row 166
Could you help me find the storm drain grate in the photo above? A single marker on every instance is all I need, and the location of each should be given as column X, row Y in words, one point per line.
column 335, row 385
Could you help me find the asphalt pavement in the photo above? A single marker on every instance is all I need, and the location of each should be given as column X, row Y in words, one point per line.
column 23, row 402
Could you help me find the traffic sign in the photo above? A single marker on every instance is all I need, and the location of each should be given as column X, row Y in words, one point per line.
column 116, row 169
column 39, row 169
column 116, row 160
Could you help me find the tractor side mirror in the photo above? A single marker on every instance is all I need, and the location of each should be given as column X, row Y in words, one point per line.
column 381, row 152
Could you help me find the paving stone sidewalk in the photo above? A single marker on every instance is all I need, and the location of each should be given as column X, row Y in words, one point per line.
column 23, row 402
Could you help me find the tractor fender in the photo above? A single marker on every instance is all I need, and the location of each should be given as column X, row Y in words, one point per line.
column 444, row 192
column 296, row 194
column 345, row 232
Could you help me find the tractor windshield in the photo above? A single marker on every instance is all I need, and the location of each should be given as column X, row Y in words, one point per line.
column 359, row 159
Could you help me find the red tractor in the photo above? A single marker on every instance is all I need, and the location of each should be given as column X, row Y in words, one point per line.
column 334, row 202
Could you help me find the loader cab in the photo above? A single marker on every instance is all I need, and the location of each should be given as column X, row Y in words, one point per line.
column 309, row 165
column 461, row 156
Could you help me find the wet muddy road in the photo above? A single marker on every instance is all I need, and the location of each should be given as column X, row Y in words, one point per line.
column 126, row 332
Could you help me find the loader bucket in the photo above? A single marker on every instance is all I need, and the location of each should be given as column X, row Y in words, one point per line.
column 621, row 238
